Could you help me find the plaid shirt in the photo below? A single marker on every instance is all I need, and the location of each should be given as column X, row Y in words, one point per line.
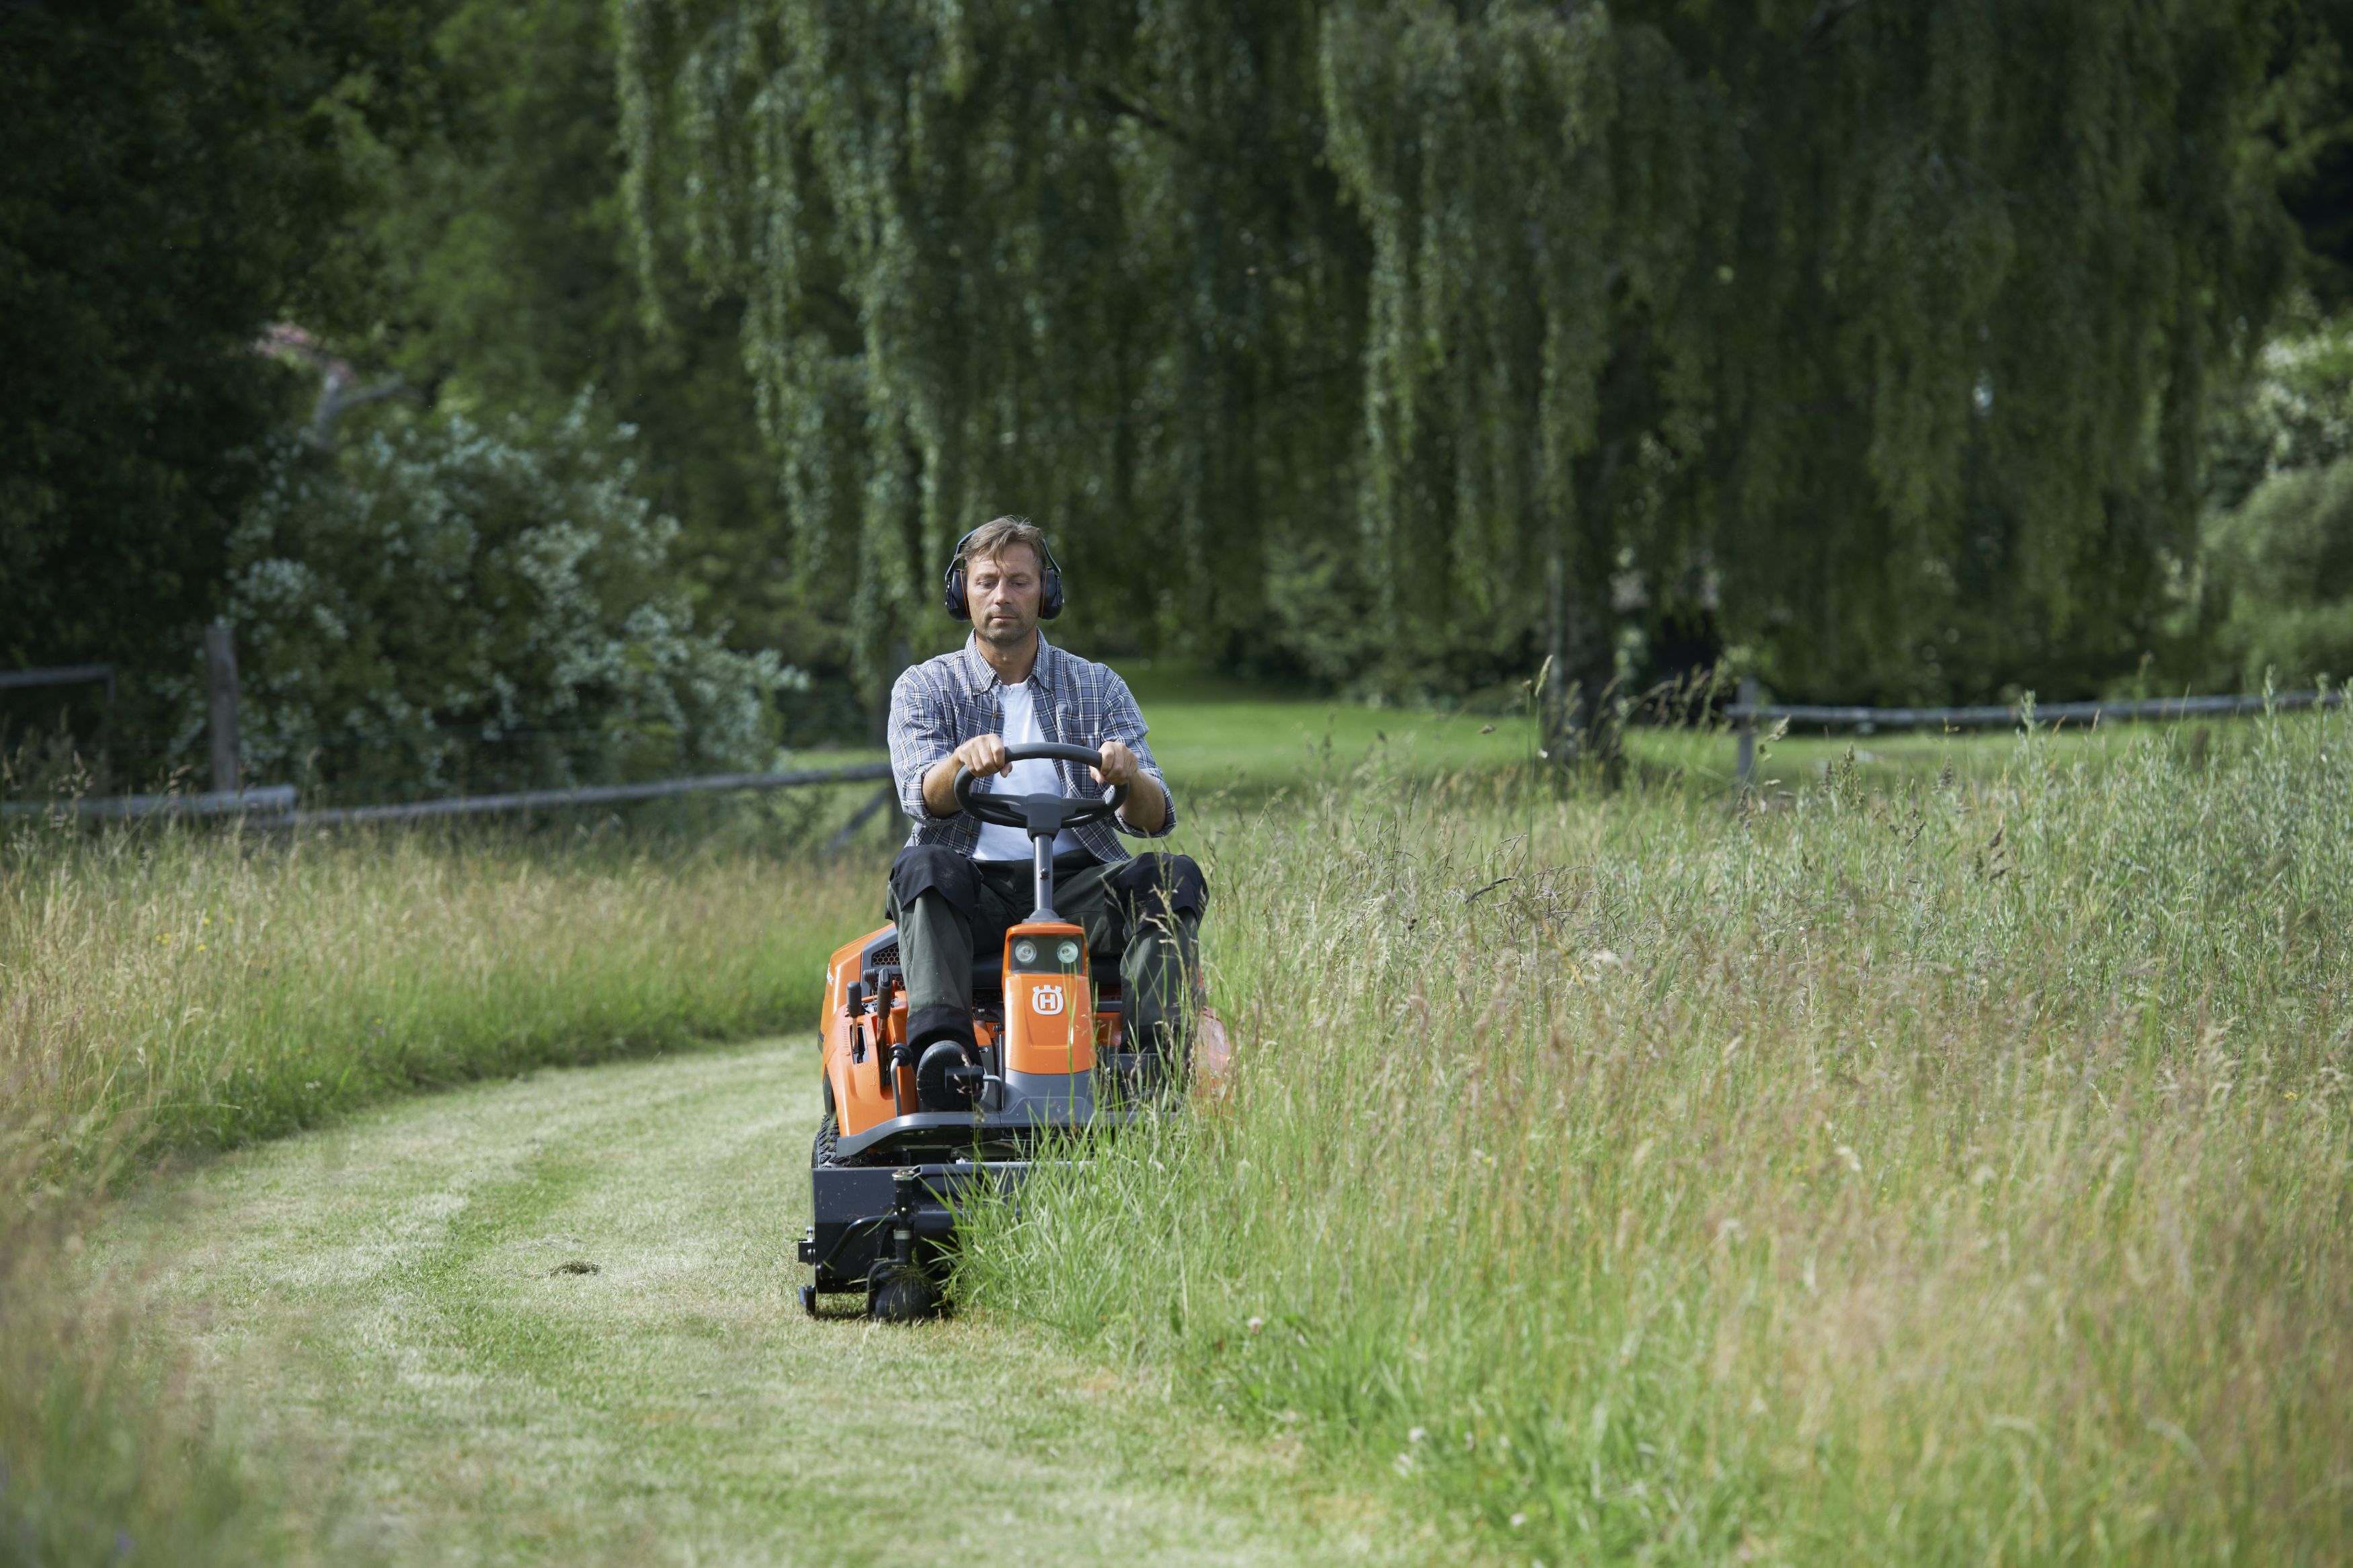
column 943, row 702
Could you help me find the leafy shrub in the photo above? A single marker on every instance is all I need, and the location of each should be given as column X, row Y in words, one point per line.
column 2275, row 587
column 459, row 607
column 2297, row 412
column 2282, row 567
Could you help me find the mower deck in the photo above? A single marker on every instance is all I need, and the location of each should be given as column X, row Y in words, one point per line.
column 855, row 1207
column 856, row 1203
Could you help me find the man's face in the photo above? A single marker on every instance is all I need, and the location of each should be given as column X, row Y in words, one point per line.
column 1003, row 592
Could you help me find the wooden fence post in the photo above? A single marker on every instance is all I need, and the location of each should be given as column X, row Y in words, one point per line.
column 887, row 795
column 1744, row 765
column 220, row 706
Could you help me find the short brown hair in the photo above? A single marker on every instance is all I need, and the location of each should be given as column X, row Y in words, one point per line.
column 992, row 539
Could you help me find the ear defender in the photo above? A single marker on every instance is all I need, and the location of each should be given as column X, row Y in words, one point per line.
column 1049, row 602
column 952, row 587
column 952, row 584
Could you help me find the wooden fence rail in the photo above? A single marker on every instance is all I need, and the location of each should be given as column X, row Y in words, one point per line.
column 270, row 802
column 1747, row 713
column 593, row 795
column 274, row 805
column 59, row 675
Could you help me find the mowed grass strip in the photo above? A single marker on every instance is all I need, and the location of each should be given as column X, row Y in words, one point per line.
column 553, row 1320
column 1958, row 1173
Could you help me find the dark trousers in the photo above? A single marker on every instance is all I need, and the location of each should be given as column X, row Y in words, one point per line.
column 1144, row 914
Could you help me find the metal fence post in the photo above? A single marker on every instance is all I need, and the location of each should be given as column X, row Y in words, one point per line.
column 220, row 706
column 1744, row 765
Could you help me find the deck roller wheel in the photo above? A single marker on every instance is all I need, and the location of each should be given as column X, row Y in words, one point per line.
column 900, row 1289
column 901, row 1293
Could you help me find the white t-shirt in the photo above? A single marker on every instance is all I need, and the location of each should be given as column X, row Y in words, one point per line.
column 1035, row 776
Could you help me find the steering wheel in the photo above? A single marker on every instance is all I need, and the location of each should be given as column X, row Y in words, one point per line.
column 1039, row 816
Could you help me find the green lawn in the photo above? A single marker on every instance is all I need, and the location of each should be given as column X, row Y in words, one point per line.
column 1256, row 744
column 1215, row 734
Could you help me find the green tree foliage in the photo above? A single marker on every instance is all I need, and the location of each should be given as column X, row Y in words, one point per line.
column 2271, row 590
column 2282, row 566
column 1425, row 337
column 507, row 286
column 171, row 179
column 1084, row 262
column 468, row 609
column 1892, row 321
column 2313, row 123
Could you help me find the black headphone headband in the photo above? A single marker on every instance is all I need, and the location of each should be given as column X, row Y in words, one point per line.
column 1049, row 603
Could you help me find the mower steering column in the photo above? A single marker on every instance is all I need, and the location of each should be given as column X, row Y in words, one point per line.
column 1041, row 851
column 1041, row 817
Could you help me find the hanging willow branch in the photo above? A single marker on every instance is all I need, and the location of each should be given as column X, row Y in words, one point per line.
column 1861, row 327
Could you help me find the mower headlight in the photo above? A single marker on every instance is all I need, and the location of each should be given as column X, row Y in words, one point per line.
column 1069, row 953
column 1025, row 952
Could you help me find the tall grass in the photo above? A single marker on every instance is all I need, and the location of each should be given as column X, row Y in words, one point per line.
column 1960, row 1173
column 164, row 991
column 192, row 991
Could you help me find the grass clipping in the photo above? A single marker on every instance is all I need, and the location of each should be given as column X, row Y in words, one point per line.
column 1955, row 1175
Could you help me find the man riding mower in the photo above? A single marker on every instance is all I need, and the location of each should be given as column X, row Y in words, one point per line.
column 1035, row 978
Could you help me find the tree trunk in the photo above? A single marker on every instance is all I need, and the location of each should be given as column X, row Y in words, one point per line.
column 1579, row 704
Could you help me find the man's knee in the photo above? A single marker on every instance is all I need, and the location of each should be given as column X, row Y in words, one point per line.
column 931, row 868
column 1159, row 890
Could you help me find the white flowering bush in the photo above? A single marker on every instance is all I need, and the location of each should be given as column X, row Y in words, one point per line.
column 456, row 608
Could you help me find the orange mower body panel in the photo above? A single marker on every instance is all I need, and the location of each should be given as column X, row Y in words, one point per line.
column 1052, row 1025
column 1050, row 1005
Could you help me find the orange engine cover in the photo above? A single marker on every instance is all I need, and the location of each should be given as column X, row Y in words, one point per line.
column 852, row 1048
column 1049, row 1009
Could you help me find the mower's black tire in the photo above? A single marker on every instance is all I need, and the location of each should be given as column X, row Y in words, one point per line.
column 822, row 1152
column 808, row 1299
column 895, row 1295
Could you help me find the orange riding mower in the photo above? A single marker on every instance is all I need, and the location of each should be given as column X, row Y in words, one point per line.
column 911, row 1134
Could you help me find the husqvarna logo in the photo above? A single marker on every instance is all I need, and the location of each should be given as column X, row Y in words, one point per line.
column 1047, row 999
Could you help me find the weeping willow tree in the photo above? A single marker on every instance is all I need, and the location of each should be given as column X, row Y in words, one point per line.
column 1410, row 340
column 1881, row 329
column 1077, row 262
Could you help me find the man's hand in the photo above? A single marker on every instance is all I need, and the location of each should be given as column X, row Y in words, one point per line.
column 984, row 755
column 1119, row 766
column 1147, row 807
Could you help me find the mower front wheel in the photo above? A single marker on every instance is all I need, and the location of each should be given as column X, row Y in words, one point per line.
column 901, row 1293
